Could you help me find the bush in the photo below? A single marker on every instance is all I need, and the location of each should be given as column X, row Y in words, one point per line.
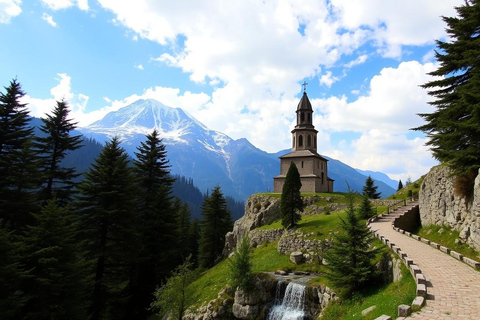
column 240, row 266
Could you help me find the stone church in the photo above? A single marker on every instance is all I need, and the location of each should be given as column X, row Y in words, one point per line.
column 312, row 167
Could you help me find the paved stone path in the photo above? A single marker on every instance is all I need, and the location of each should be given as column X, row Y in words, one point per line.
column 453, row 287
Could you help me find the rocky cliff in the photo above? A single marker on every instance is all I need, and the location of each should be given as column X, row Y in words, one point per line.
column 440, row 205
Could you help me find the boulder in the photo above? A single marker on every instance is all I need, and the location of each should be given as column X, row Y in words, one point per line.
column 296, row 257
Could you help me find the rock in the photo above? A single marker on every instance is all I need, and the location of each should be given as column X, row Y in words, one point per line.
column 281, row 273
column 404, row 310
column 296, row 257
column 368, row 310
column 441, row 231
column 244, row 311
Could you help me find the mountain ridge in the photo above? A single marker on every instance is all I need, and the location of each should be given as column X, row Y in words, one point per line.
column 207, row 156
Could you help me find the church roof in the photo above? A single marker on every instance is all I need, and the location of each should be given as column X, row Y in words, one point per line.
column 302, row 153
column 304, row 103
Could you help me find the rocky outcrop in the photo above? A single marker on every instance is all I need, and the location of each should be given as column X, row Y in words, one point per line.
column 259, row 210
column 255, row 305
column 440, row 205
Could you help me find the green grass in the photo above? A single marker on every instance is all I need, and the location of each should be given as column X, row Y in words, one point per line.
column 385, row 298
column 210, row 282
column 447, row 239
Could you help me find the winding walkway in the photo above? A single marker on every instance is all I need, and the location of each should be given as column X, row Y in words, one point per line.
column 453, row 287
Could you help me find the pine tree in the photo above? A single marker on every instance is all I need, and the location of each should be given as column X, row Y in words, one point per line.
column 350, row 259
column 291, row 202
column 217, row 221
column 57, row 180
column 157, row 237
column 400, row 185
column 370, row 189
column 183, row 229
column 12, row 298
column 453, row 128
column 54, row 285
column 194, row 240
column 365, row 210
column 240, row 266
column 18, row 161
column 106, row 211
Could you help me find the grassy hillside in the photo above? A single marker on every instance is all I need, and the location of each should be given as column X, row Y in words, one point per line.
column 266, row 258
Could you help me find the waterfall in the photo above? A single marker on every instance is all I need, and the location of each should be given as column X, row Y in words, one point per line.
column 291, row 306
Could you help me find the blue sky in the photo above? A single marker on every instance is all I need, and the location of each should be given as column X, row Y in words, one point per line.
column 237, row 66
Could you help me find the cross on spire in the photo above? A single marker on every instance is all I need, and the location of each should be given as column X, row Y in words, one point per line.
column 304, row 84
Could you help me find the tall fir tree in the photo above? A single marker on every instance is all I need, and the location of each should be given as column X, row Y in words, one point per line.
column 350, row 260
column 370, row 189
column 217, row 221
column 106, row 212
column 453, row 128
column 18, row 161
column 57, row 181
column 400, row 185
column 183, row 229
column 194, row 235
column 55, row 283
column 157, row 237
column 12, row 297
column 365, row 210
column 291, row 203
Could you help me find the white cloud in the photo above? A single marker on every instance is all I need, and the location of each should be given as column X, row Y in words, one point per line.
column 9, row 9
column 49, row 19
column 328, row 79
column 65, row 4
column 360, row 60
column 139, row 66
column 77, row 102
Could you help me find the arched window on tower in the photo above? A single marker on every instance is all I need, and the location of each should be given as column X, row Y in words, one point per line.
column 309, row 140
column 300, row 140
column 323, row 178
column 308, row 118
column 302, row 117
column 315, row 142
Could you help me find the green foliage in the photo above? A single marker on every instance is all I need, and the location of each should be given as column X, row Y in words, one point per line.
column 291, row 203
column 217, row 221
column 370, row 189
column 176, row 296
column 366, row 210
column 55, row 281
column 18, row 161
column 11, row 273
column 57, row 180
column 106, row 209
column 350, row 259
column 241, row 266
column 452, row 129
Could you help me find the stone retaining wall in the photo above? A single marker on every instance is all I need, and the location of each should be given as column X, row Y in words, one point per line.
column 440, row 205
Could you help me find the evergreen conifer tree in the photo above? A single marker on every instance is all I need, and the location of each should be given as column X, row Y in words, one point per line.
column 453, row 128
column 194, row 234
column 291, row 203
column 217, row 221
column 18, row 161
column 370, row 189
column 106, row 211
column 400, row 185
column 183, row 229
column 366, row 209
column 12, row 297
column 57, row 180
column 240, row 265
column 350, row 259
column 54, row 285
column 156, row 222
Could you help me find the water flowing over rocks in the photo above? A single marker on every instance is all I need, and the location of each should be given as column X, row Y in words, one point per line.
column 440, row 205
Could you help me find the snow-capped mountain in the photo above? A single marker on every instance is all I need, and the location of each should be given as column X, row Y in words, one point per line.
column 209, row 157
